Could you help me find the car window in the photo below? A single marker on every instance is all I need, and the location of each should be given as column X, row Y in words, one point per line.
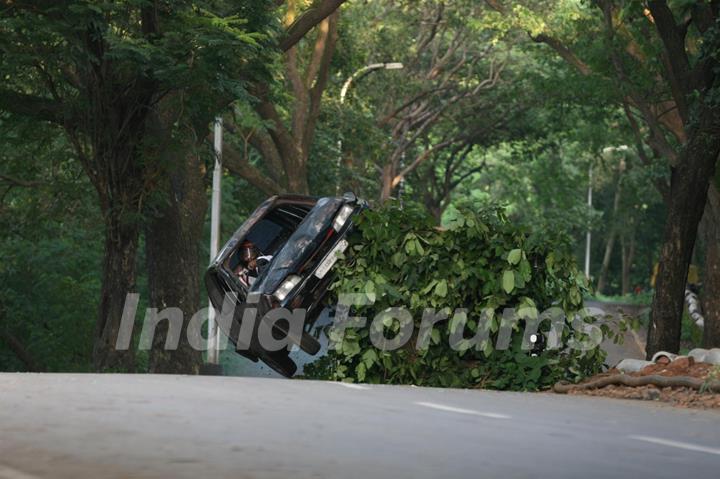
column 272, row 232
column 264, row 234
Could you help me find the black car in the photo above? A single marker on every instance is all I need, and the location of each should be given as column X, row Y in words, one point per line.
column 299, row 238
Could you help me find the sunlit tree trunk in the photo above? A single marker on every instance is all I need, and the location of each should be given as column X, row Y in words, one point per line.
column 387, row 187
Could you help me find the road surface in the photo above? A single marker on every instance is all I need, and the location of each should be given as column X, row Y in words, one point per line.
column 121, row 426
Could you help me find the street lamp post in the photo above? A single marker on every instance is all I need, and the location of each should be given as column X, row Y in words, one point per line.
column 588, row 237
column 212, row 352
column 343, row 94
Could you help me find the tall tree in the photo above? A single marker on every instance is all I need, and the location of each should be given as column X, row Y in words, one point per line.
column 100, row 71
column 493, row 118
column 284, row 141
column 173, row 230
column 693, row 89
column 711, row 294
column 447, row 68
column 664, row 74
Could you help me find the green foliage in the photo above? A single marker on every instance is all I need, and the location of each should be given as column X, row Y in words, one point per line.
column 642, row 299
column 110, row 75
column 713, row 376
column 50, row 251
column 480, row 262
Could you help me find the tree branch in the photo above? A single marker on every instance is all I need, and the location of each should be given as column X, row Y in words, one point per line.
column 262, row 142
column 32, row 106
column 18, row 182
column 280, row 135
column 554, row 43
column 661, row 185
column 418, row 160
column 318, row 88
column 675, row 56
column 20, row 351
column 318, row 53
column 237, row 164
column 564, row 52
column 316, row 13
column 299, row 90
column 466, row 175
column 425, row 41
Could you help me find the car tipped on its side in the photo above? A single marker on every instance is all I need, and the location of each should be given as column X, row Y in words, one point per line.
column 282, row 256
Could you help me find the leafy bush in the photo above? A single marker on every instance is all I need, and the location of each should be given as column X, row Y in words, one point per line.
column 480, row 261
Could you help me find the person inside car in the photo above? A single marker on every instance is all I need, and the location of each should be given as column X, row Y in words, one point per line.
column 252, row 264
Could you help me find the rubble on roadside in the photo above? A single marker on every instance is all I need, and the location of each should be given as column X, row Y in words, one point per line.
column 684, row 381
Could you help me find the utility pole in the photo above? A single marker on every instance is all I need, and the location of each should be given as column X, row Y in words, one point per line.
column 588, row 239
column 343, row 93
column 213, row 355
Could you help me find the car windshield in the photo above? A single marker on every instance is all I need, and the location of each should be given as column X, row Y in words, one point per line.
column 271, row 233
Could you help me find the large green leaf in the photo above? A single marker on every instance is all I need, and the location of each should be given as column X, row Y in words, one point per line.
column 515, row 256
column 508, row 281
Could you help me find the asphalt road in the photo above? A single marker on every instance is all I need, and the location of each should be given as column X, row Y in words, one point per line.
column 120, row 426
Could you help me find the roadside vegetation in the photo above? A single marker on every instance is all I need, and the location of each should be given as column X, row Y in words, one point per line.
column 472, row 270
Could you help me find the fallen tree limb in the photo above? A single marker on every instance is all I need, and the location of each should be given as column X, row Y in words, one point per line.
column 653, row 380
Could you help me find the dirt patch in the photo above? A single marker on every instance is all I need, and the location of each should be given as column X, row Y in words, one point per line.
column 695, row 370
column 681, row 397
column 676, row 396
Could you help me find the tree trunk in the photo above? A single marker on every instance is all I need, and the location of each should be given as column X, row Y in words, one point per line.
column 436, row 211
column 173, row 238
column 609, row 246
column 628, row 254
column 711, row 280
column 386, row 190
column 289, row 148
column 118, row 279
column 688, row 193
column 297, row 179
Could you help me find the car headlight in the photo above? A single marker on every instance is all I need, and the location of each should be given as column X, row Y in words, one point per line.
column 287, row 286
column 342, row 217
